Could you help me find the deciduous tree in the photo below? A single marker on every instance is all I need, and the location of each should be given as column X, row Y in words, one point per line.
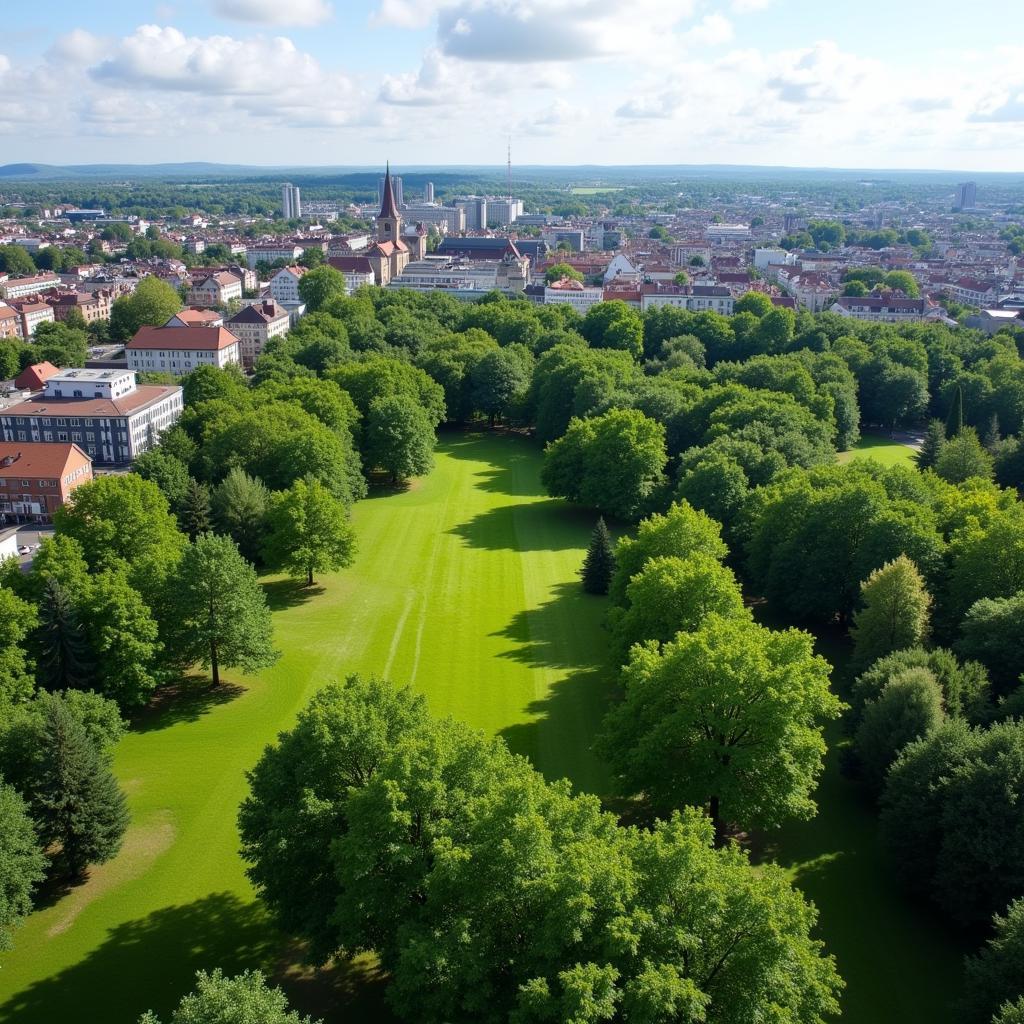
column 22, row 863
column 399, row 437
column 894, row 614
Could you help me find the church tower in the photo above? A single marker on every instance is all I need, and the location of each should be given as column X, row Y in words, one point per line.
column 389, row 220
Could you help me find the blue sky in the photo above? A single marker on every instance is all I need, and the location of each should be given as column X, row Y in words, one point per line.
column 571, row 81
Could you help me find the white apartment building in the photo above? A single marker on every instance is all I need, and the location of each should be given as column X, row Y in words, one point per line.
column 284, row 285
column 291, row 201
column 357, row 270
column 575, row 293
column 727, row 232
column 886, row 308
column 271, row 253
column 32, row 314
column 216, row 290
column 21, row 287
column 693, row 297
column 180, row 350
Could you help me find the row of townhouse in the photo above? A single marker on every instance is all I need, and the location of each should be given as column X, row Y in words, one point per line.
column 36, row 478
column 19, row 318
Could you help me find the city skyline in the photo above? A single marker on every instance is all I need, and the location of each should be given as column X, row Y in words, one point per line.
column 447, row 82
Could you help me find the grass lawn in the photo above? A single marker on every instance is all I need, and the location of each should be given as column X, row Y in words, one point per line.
column 881, row 449
column 595, row 190
column 464, row 586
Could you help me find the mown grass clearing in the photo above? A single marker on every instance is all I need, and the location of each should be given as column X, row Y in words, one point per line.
column 881, row 449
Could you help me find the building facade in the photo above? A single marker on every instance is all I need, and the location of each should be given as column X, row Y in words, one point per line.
column 180, row 350
column 105, row 412
column 37, row 478
column 255, row 325
column 291, row 201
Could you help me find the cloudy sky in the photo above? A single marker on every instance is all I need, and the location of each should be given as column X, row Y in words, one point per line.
column 797, row 82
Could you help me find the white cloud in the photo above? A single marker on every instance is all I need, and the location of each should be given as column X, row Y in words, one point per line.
column 77, row 48
column 823, row 74
column 711, row 30
column 302, row 13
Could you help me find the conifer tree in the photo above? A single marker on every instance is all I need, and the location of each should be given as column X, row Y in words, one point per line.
column 195, row 509
column 600, row 561
column 65, row 660
column 955, row 419
column 75, row 799
column 931, row 446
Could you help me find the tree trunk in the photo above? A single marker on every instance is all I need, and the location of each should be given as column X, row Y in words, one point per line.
column 309, row 575
column 214, row 667
column 492, row 421
column 716, row 821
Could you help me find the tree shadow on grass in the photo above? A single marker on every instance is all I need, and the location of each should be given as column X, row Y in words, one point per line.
column 186, row 700
column 513, row 470
column 150, row 963
column 288, row 593
column 563, row 633
column 531, row 526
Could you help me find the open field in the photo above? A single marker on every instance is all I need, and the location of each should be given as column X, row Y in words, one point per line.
column 881, row 449
column 595, row 190
column 465, row 585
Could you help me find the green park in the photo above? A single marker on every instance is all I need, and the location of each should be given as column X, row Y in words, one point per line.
column 466, row 587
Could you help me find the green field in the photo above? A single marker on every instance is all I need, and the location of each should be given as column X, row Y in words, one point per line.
column 881, row 449
column 595, row 190
column 465, row 586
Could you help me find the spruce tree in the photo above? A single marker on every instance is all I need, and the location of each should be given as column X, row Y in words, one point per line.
column 75, row 799
column 955, row 419
column 931, row 446
column 195, row 509
column 65, row 659
column 600, row 561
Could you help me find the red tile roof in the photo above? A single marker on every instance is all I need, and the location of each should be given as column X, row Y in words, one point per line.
column 190, row 339
column 34, row 377
column 41, row 405
column 35, row 460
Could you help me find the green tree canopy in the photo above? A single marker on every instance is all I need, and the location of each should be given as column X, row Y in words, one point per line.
column 22, row 863
column 317, row 287
column 894, row 614
column 152, row 303
column 399, row 437
column 995, row 975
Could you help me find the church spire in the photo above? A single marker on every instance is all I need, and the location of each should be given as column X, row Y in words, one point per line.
column 387, row 207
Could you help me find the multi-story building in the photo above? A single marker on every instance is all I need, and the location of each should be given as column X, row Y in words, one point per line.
column 92, row 306
column 475, row 208
column 32, row 313
column 727, row 232
column 284, row 285
column 104, row 411
column 396, row 188
column 463, row 277
column 10, row 322
column 291, row 201
column 37, row 478
column 445, row 218
column 180, row 350
column 694, row 297
column 21, row 287
column 216, row 290
column 970, row 292
column 890, row 308
column 271, row 252
column 428, row 192
column 256, row 324
column 357, row 270
column 503, row 211
column 573, row 292
column 966, row 195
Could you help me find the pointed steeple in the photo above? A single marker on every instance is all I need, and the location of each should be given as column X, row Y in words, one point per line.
column 387, row 207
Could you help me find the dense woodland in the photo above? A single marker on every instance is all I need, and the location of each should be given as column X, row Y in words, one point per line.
column 373, row 826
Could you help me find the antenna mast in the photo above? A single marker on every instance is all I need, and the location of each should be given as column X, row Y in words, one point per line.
column 510, row 168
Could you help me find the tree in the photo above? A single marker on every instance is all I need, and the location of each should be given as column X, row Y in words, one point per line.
column 681, row 531
column 121, row 518
column 61, row 344
column 902, row 280
column 599, row 564
column 65, row 660
column 74, row 798
column 498, row 378
column 371, row 826
column 671, row 594
column 992, row 632
column 319, row 286
column 909, row 707
column 894, row 614
column 17, row 620
column 206, row 383
column 955, row 419
column 218, row 609
column 753, row 302
column 727, row 717
column 243, row 999
column 1010, row 1013
column 16, row 261
column 560, row 271
column 855, row 288
column 932, row 445
column 963, row 457
column 399, row 437
column 167, row 471
column 682, row 278
column 22, row 863
column 195, row 509
column 611, row 463
column 239, row 504
column 995, row 975
column 309, row 531
column 152, row 303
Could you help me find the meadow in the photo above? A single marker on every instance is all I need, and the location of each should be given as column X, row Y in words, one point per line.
column 882, row 449
column 465, row 587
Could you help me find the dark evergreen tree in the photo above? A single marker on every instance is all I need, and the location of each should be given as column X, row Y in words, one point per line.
column 955, row 419
column 992, row 436
column 75, row 800
column 931, row 446
column 195, row 509
column 600, row 561
column 64, row 657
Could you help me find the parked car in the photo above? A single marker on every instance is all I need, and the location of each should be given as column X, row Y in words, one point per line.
column 24, row 549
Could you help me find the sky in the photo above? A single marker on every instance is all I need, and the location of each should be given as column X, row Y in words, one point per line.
column 876, row 84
